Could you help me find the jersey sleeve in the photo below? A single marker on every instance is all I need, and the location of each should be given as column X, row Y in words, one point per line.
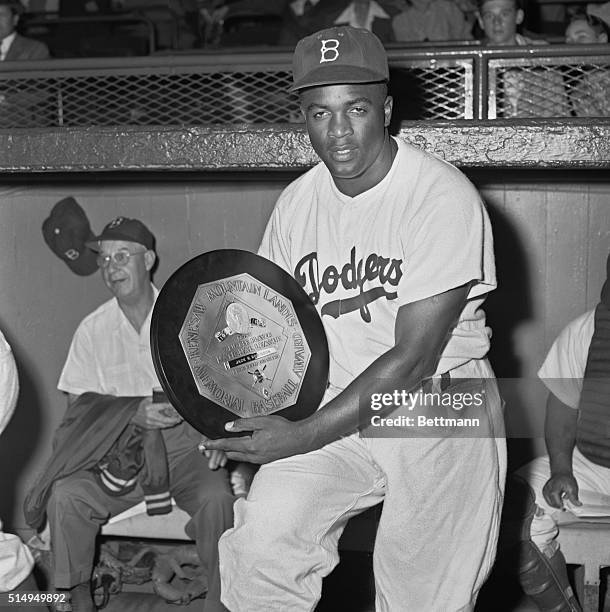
column 79, row 372
column 447, row 243
column 564, row 366
column 273, row 245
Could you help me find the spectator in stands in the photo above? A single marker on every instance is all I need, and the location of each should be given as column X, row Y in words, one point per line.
column 590, row 92
column 18, row 106
column 529, row 91
column 296, row 20
column 431, row 20
column 369, row 15
column 303, row 17
column 13, row 46
column 499, row 20
column 116, row 446
column 585, row 29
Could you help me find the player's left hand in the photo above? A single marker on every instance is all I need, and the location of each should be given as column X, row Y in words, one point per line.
column 272, row 437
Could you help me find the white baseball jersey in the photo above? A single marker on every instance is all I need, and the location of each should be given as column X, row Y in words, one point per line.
column 419, row 232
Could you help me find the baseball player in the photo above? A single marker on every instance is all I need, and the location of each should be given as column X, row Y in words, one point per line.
column 394, row 247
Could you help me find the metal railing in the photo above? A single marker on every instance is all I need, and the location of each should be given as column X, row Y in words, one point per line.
column 219, row 88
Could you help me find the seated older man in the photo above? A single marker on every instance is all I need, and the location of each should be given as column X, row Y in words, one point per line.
column 115, row 445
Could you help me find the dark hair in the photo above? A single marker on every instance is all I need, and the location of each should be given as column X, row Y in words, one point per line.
column 15, row 6
column 518, row 4
column 599, row 26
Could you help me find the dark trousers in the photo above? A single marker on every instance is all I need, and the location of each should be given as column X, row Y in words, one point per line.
column 79, row 506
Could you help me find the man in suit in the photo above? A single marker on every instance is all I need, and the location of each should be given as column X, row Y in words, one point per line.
column 19, row 104
column 304, row 17
column 13, row 46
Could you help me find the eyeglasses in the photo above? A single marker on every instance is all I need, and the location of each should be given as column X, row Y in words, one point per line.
column 119, row 258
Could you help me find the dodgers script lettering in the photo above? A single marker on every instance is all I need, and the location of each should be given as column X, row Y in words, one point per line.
column 353, row 275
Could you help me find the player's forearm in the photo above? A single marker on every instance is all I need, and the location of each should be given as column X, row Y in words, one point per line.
column 422, row 330
column 343, row 415
column 560, row 435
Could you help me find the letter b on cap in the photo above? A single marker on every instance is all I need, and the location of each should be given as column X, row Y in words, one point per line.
column 329, row 52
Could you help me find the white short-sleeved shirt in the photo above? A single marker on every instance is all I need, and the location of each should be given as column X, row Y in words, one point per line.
column 9, row 383
column 419, row 232
column 15, row 558
column 109, row 356
column 16, row 561
column 564, row 366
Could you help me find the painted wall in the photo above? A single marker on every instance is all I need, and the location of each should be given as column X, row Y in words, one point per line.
column 551, row 245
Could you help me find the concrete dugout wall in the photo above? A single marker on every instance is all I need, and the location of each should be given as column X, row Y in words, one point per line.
column 552, row 233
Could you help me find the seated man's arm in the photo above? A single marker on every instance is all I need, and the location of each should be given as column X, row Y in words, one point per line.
column 155, row 415
column 560, row 438
column 421, row 331
column 149, row 415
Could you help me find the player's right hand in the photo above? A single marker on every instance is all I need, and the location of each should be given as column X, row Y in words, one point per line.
column 159, row 415
column 559, row 487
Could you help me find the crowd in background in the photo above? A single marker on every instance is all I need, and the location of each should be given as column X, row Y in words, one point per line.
column 72, row 28
column 193, row 24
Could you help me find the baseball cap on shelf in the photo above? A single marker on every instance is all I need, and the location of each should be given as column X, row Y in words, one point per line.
column 66, row 231
column 123, row 228
column 339, row 55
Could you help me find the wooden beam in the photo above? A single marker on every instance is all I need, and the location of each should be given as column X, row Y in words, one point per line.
column 552, row 143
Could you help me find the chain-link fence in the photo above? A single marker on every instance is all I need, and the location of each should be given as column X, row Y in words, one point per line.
column 185, row 91
column 549, row 87
column 432, row 89
column 189, row 98
column 450, row 83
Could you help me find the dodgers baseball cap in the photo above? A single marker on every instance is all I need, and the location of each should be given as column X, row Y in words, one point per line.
column 338, row 55
column 66, row 231
column 123, row 228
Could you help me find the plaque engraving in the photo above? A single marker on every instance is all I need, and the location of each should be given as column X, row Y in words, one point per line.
column 244, row 346
column 234, row 335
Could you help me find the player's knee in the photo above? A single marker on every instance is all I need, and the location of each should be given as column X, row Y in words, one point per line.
column 265, row 528
column 244, row 545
